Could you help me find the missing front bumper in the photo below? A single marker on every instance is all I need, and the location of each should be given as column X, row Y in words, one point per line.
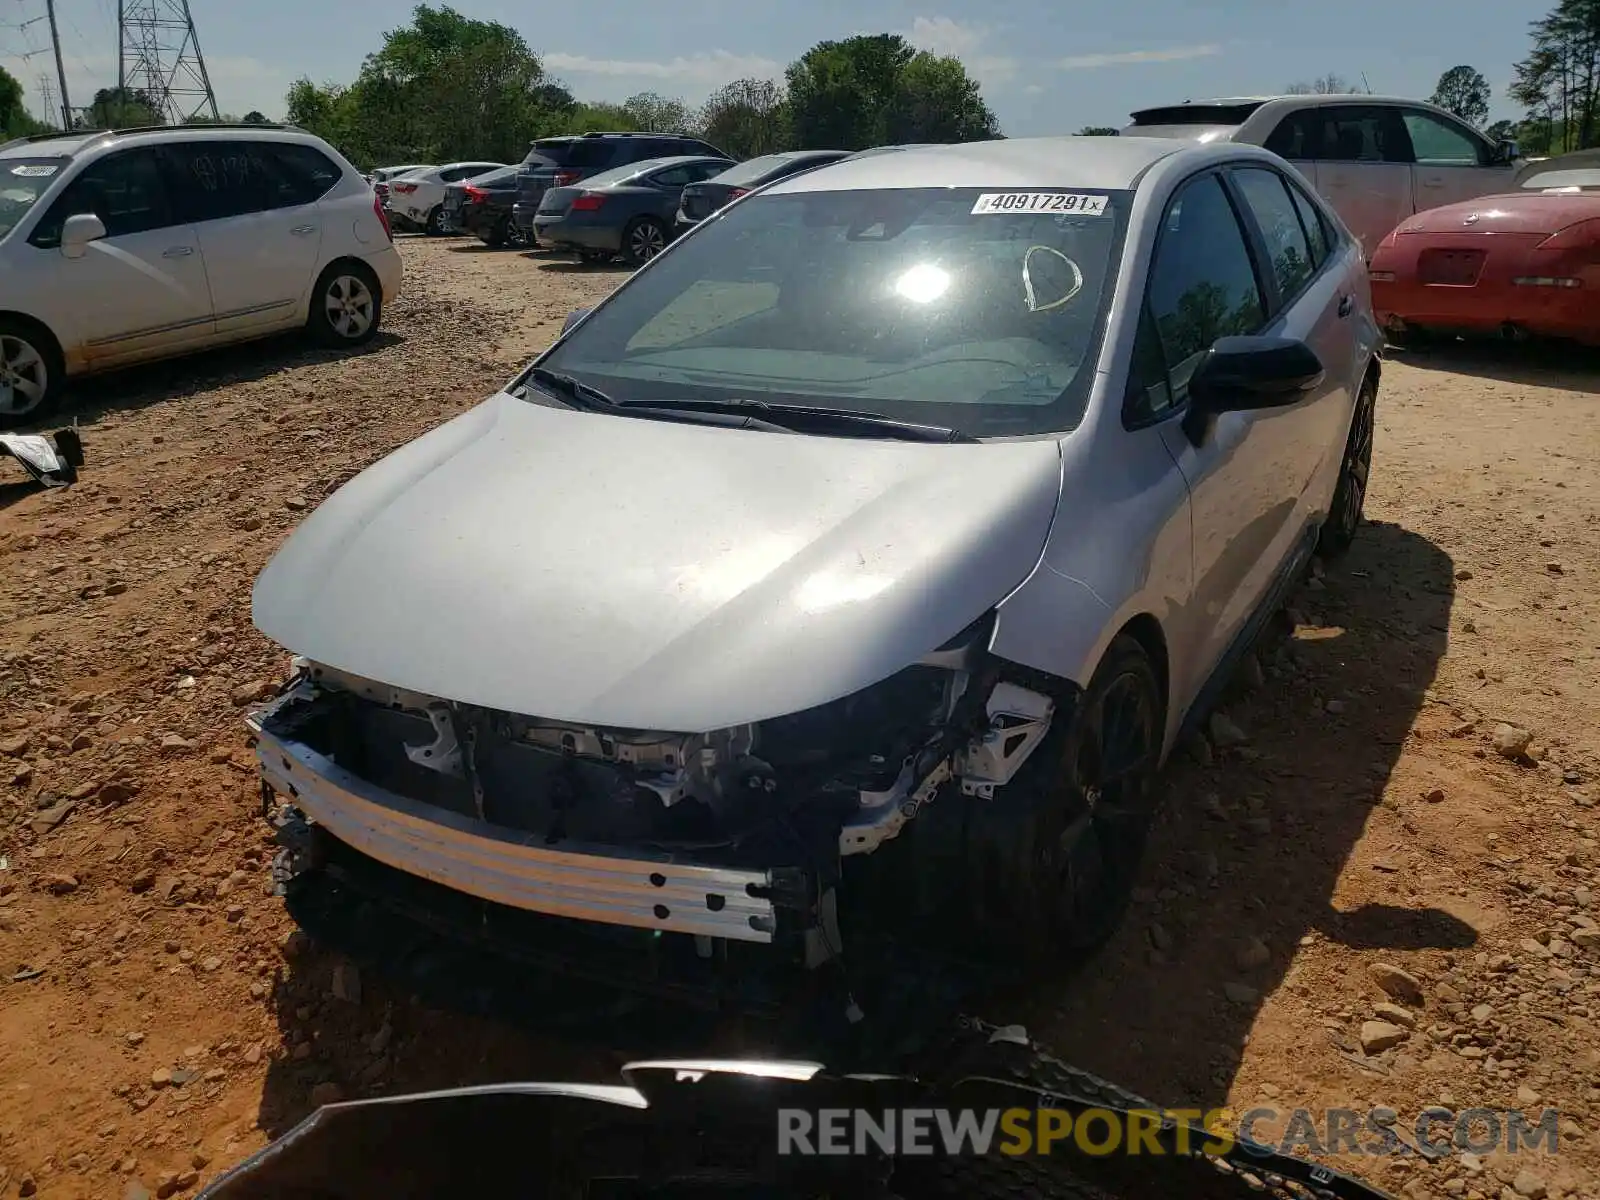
column 610, row 885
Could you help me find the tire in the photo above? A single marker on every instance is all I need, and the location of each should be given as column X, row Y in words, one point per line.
column 32, row 373
column 594, row 258
column 432, row 226
column 1057, row 870
column 346, row 306
column 499, row 235
column 1350, row 496
column 642, row 240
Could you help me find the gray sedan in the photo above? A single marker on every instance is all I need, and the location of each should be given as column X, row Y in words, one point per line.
column 859, row 560
column 627, row 211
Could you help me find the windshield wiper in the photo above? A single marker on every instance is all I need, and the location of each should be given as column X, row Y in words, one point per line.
column 579, row 395
column 592, row 399
column 810, row 418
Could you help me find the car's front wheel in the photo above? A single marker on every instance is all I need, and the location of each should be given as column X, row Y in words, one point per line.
column 1052, row 858
column 31, row 373
column 1350, row 495
column 644, row 238
column 346, row 306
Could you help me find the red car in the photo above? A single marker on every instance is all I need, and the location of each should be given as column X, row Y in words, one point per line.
column 1519, row 264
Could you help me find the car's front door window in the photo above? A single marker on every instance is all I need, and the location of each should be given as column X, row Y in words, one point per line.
column 1203, row 283
column 1435, row 143
column 125, row 190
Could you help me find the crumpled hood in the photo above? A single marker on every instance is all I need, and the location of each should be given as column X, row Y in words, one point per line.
column 653, row 575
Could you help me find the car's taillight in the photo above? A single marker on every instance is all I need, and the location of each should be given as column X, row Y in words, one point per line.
column 565, row 177
column 588, row 202
column 405, row 189
column 1581, row 235
column 736, row 193
column 383, row 217
column 474, row 195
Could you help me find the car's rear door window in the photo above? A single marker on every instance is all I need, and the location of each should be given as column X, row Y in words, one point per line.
column 1316, row 227
column 1364, row 133
column 215, row 180
column 1202, row 283
column 1288, row 249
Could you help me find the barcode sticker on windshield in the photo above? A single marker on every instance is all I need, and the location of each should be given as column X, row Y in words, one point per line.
column 1075, row 204
column 34, row 170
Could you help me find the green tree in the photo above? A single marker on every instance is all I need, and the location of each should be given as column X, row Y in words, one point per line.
column 871, row 89
column 15, row 119
column 256, row 117
column 746, row 118
column 1099, row 131
column 935, row 100
column 653, row 113
column 1464, row 91
column 1558, row 83
column 121, row 108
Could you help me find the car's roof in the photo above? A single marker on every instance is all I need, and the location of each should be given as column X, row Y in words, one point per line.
column 1053, row 162
column 64, row 145
column 654, row 164
column 1315, row 100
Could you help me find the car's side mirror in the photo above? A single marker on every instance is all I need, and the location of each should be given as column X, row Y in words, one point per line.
column 1508, row 151
column 78, row 231
column 573, row 318
column 1242, row 374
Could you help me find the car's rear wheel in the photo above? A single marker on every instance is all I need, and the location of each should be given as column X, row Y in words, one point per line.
column 499, row 234
column 594, row 258
column 31, row 373
column 642, row 240
column 1350, row 496
column 346, row 305
column 1054, row 864
column 434, row 225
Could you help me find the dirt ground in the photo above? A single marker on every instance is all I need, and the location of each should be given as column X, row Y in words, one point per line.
column 1361, row 842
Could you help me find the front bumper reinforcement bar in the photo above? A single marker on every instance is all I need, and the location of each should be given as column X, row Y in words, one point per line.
column 610, row 885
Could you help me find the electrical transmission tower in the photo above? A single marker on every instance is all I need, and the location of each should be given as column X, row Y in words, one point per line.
column 159, row 57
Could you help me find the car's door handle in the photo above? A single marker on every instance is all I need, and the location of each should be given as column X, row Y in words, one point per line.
column 1347, row 305
column 302, row 230
column 178, row 252
column 1433, row 183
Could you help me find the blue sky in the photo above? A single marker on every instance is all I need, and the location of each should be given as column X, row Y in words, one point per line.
column 1045, row 68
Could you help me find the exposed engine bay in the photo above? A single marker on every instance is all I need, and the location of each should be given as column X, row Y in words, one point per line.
column 717, row 834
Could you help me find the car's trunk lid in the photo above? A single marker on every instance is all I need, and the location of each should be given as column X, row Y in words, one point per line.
column 1534, row 215
column 700, row 200
column 558, row 200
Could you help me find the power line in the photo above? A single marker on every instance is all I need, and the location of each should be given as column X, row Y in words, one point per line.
column 158, row 56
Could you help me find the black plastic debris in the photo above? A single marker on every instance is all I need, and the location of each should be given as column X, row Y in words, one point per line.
column 52, row 459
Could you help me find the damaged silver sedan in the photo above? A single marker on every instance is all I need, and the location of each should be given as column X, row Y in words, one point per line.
column 860, row 558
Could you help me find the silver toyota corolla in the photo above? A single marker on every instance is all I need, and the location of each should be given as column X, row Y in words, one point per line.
column 862, row 556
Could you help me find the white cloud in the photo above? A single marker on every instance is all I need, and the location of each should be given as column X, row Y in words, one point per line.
column 947, row 36
column 1175, row 54
column 704, row 72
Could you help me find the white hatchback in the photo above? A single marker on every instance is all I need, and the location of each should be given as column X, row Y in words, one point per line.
column 120, row 247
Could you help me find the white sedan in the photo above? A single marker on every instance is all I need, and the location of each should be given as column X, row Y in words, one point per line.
column 418, row 198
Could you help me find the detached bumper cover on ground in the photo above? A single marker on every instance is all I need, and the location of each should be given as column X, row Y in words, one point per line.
column 52, row 460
